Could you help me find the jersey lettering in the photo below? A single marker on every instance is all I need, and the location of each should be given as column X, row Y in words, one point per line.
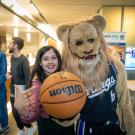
column 105, row 87
column 112, row 96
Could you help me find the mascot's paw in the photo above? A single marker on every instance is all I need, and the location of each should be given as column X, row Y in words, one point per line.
column 66, row 122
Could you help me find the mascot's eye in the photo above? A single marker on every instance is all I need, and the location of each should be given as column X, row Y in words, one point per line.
column 79, row 42
column 91, row 40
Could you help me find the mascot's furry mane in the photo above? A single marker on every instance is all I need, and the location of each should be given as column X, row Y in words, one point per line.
column 80, row 45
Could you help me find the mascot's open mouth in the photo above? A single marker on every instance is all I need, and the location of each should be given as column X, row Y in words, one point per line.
column 89, row 60
column 90, row 57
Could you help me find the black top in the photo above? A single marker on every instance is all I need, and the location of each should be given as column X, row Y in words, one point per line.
column 101, row 104
column 20, row 71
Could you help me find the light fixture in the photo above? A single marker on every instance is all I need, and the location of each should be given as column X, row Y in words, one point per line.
column 15, row 21
column 28, row 27
column 34, row 8
column 16, row 7
column 28, row 37
column 15, row 32
column 38, row 11
column 8, row 3
column 46, row 28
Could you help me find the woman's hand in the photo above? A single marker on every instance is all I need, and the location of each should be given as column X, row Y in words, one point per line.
column 22, row 100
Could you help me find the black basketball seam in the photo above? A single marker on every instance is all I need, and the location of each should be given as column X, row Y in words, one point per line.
column 58, row 83
column 65, row 101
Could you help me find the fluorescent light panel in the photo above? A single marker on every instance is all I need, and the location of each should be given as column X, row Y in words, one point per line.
column 28, row 36
column 34, row 8
column 15, row 32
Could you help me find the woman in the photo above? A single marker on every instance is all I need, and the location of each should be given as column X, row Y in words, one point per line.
column 48, row 61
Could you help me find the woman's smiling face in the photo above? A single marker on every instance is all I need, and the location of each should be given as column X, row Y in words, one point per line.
column 49, row 62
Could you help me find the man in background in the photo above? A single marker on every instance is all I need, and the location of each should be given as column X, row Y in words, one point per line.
column 20, row 73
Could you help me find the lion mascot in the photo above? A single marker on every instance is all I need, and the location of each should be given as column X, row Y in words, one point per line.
column 85, row 54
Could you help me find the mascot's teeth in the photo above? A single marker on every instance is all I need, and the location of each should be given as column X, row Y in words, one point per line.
column 89, row 57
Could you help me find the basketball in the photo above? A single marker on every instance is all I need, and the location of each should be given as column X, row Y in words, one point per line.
column 62, row 95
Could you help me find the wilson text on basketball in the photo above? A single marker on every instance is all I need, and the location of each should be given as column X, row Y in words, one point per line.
column 69, row 90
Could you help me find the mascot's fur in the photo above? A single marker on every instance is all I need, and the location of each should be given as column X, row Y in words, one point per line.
column 85, row 54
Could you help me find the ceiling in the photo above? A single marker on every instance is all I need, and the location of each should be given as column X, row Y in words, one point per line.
column 8, row 21
column 63, row 11
column 56, row 12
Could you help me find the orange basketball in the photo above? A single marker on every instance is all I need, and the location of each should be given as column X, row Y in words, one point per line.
column 62, row 95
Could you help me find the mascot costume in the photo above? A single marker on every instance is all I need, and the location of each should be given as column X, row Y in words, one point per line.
column 85, row 54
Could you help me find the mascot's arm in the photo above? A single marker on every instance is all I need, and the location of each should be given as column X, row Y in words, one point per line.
column 124, row 100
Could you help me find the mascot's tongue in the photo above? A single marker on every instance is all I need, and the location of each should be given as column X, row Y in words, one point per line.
column 89, row 57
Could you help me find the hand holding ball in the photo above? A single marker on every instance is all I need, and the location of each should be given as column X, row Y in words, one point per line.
column 62, row 95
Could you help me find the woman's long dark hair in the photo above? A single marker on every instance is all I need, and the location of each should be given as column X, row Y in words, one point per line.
column 37, row 70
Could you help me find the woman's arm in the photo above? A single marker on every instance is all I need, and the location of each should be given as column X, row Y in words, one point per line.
column 27, row 103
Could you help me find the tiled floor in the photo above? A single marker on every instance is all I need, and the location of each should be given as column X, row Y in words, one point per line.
column 13, row 128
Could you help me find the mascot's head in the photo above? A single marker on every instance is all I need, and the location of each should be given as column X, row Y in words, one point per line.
column 85, row 51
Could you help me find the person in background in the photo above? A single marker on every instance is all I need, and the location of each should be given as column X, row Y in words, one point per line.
column 48, row 61
column 118, row 55
column 20, row 74
column 4, row 129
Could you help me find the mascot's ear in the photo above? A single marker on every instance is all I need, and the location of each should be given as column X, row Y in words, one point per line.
column 61, row 30
column 98, row 21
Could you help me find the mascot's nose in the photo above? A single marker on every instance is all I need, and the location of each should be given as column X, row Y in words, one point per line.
column 88, row 52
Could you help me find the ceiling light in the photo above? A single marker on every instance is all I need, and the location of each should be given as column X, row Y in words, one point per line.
column 8, row 3
column 28, row 36
column 48, row 30
column 16, row 7
column 28, row 27
column 34, row 8
column 15, row 32
column 38, row 11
